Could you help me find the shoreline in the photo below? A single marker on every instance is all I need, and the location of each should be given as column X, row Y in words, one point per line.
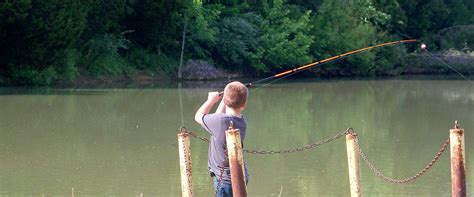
column 142, row 82
column 415, row 65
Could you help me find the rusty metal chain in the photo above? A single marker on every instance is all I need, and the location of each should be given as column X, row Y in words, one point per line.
column 298, row 149
column 198, row 137
column 379, row 174
column 284, row 151
column 219, row 180
column 359, row 150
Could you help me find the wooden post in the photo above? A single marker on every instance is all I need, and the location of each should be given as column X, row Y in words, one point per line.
column 458, row 161
column 353, row 164
column 185, row 163
column 236, row 162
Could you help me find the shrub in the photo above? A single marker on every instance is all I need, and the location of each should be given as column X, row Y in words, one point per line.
column 102, row 55
column 147, row 60
column 142, row 59
column 67, row 65
column 25, row 75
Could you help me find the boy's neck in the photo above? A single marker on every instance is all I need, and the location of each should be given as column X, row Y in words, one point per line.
column 234, row 112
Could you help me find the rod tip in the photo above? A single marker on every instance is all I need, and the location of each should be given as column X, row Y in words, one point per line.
column 423, row 46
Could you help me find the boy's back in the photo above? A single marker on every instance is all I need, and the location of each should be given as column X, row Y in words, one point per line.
column 234, row 100
column 216, row 124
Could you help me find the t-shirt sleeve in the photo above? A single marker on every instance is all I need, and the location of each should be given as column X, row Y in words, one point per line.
column 212, row 123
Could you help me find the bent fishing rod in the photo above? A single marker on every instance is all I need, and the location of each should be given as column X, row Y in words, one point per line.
column 327, row 60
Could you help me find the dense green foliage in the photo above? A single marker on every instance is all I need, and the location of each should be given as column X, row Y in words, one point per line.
column 42, row 42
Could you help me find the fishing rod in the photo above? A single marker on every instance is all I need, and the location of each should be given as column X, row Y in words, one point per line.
column 330, row 59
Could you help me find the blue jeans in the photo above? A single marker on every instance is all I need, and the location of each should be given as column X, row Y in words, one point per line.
column 225, row 189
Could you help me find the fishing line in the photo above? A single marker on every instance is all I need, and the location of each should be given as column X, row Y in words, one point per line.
column 424, row 47
column 181, row 104
column 449, row 66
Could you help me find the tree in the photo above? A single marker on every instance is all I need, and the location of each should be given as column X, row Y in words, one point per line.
column 237, row 41
column 427, row 18
column 285, row 38
column 200, row 22
column 105, row 17
column 340, row 29
column 36, row 41
column 13, row 30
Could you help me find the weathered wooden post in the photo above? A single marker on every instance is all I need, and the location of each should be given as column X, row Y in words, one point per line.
column 236, row 161
column 353, row 164
column 458, row 161
column 185, row 163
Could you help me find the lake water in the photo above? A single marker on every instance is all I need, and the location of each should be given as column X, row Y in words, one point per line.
column 122, row 141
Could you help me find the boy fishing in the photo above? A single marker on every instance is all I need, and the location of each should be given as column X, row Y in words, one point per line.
column 233, row 102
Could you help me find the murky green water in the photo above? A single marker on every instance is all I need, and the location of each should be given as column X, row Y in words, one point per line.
column 122, row 142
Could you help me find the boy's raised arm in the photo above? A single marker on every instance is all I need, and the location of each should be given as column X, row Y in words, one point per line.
column 212, row 98
column 221, row 107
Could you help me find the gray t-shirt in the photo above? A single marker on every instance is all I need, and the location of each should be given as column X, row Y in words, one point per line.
column 216, row 124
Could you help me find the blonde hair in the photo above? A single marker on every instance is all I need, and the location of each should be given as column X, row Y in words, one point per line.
column 235, row 95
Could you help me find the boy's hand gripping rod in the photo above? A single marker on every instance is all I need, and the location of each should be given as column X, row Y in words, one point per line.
column 333, row 58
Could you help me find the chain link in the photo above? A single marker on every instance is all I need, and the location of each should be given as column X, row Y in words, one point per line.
column 219, row 180
column 198, row 137
column 284, row 151
column 379, row 174
column 298, row 149
column 371, row 166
